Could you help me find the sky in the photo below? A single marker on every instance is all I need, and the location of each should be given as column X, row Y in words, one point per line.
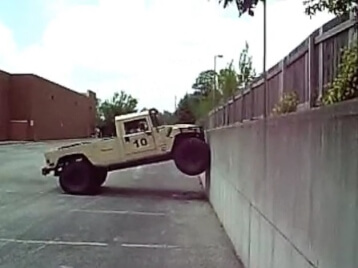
column 151, row 49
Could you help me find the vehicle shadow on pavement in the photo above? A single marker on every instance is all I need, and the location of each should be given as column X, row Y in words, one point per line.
column 153, row 193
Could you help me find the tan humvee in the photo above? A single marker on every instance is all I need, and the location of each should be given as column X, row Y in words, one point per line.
column 141, row 139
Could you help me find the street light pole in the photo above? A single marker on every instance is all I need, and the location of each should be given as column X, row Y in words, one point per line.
column 214, row 91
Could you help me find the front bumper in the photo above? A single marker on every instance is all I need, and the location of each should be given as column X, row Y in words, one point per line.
column 46, row 170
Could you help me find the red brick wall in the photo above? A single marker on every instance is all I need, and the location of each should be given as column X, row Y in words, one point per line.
column 21, row 87
column 19, row 97
column 4, row 105
column 58, row 112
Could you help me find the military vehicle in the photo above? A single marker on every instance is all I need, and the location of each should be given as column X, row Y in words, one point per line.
column 140, row 139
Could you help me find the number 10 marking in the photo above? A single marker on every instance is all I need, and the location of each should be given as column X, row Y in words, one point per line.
column 141, row 142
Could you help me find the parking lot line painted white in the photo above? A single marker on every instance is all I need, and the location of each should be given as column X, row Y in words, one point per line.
column 155, row 246
column 122, row 212
column 53, row 242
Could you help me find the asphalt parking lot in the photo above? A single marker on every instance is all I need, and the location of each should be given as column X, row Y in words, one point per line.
column 144, row 217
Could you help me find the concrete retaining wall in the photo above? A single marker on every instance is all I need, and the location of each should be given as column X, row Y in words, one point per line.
column 287, row 192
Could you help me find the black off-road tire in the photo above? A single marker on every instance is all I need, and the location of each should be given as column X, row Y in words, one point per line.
column 192, row 156
column 100, row 176
column 77, row 178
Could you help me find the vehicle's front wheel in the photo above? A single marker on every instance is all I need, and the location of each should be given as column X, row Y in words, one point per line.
column 78, row 178
column 192, row 156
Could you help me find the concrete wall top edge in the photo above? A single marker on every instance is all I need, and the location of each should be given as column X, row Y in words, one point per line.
column 342, row 109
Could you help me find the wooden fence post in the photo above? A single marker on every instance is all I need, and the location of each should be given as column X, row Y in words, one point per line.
column 353, row 32
column 226, row 107
column 282, row 78
column 215, row 115
column 242, row 106
column 320, row 65
column 222, row 115
column 311, row 72
column 251, row 92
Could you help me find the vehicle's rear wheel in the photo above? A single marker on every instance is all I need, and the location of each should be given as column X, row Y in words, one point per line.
column 192, row 156
column 78, row 178
column 100, row 176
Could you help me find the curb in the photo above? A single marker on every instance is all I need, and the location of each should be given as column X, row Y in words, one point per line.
column 47, row 141
column 13, row 142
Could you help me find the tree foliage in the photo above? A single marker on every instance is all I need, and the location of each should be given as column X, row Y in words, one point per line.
column 243, row 6
column 337, row 7
column 228, row 81
column 203, row 98
column 185, row 111
column 204, row 83
column 232, row 80
column 288, row 103
column 120, row 103
column 203, row 105
column 197, row 105
column 246, row 71
column 168, row 118
column 345, row 84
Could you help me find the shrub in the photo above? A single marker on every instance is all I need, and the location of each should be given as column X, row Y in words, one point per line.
column 345, row 84
column 287, row 104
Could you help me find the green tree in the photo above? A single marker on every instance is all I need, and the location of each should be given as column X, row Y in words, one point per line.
column 246, row 71
column 231, row 80
column 185, row 111
column 205, row 97
column 204, row 83
column 228, row 81
column 203, row 105
column 120, row 103
column 337, row 7
column 243, row 6
column 204, row 94
column 168, row 118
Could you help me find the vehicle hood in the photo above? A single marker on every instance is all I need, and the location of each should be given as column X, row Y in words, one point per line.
column 74, row 145
column 184, row 125
column 52, row 154
column 181, row 126
column 81, row 143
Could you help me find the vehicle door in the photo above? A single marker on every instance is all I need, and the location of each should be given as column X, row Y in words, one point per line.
column 138, row 138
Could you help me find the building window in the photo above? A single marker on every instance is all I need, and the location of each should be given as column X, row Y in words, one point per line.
column 76, row 103
column 52, row 97
column 90, row 108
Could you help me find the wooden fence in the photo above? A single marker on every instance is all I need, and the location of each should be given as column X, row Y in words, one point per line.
column 306, row 70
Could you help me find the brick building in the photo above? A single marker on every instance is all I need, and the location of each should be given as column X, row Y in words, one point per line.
column 34, row 108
